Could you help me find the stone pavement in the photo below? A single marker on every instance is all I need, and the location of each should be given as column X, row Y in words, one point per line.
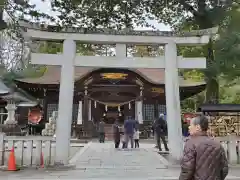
column 102, row 161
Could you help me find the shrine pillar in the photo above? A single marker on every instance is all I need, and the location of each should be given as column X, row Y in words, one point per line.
column 64, row 120
column 90, row 110
column 45, row 105
column 173, row 101
column 85, row 110
column 156, row 113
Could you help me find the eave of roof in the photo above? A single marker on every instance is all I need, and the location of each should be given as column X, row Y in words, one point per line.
column 154, row 76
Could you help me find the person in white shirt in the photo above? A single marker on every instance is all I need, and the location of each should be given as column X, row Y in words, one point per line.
column 136, row 138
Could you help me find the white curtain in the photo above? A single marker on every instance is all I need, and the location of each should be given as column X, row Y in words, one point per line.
column 79, row 117
column 138, row 111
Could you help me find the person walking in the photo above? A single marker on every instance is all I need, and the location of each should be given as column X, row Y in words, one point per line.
column 161, row 131
column 203, row 157
column 123, row 140
column 101, row 131
column 116, row 133
column 136, row 138
column 129, row 127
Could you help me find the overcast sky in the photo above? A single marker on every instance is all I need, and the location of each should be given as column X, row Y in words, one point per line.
column 46, row 7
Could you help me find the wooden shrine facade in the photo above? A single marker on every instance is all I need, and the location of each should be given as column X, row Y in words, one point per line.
column 107, row 93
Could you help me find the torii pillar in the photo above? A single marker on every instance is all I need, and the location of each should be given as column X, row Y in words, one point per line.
column 173, row 101
column 64, row 120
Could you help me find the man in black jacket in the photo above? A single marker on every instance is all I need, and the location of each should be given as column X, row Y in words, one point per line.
column 161, row 131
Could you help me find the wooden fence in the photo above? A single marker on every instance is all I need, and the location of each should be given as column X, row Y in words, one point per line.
column 28, row 149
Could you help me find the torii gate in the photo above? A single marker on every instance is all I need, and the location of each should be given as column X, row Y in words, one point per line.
column 68, row 60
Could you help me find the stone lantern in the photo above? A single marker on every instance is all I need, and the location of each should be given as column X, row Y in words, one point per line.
column 17, row 97
column 14, row 97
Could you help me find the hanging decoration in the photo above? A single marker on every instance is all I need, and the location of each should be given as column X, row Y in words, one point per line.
column 119, row 109
column 95, row 104
column 113, row 104
column 106, row 107
column 129, row 105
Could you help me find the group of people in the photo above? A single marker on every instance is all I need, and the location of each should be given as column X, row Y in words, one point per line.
column 129, row 132
column 203, row 157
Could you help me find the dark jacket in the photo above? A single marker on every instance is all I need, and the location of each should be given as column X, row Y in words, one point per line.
column 129, row 126
column 101, row 127
column 160, row 127
column 203, row 159
column 116, row 132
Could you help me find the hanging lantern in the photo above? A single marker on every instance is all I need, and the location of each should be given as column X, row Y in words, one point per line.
column 120, row 114
column 95, row 104
column 129, row 106
column 119, row 109
column 106, row 107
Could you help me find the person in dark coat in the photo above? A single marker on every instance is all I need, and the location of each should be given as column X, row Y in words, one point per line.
column 161, row 131
column 101, row 131
column 116, row 133
column 203, row 157
column 129, row 127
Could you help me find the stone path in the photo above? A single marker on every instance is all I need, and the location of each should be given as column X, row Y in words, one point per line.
column 102, row 161
column 105, row 156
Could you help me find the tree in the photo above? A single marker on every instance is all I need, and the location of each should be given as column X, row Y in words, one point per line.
column 84, row 13
column 227, row 46
column 195, row 14
column 108, row 14
column 192, row 14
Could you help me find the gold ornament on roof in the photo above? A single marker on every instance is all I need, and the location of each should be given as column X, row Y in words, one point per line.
column 158, row 90
column 114, row 76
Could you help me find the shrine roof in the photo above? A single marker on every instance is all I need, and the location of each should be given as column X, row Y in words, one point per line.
column 154, row 76
column 219, row 108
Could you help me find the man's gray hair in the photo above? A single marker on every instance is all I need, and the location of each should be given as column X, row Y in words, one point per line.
column 202, row 121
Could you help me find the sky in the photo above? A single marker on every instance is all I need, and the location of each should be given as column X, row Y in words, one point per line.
column 46, row 8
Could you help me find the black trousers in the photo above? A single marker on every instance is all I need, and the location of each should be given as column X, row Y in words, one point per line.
column 159, row 138
column 117, row 143
column 136, row 142
column 123, row 145
column 101, row 137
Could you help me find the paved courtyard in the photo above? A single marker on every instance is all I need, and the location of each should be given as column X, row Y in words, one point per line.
column 102, row 161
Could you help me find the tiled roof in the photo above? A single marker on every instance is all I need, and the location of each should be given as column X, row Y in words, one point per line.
column 155, row 76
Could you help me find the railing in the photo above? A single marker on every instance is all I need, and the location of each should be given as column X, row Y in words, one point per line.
column 29, row 150
column 231, row 145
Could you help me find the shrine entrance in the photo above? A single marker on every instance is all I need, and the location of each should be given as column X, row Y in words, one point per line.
column 111, row 115
column 112, row 94
column 121, row 39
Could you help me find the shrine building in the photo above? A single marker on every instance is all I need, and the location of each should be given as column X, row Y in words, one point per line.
column 108, row 93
